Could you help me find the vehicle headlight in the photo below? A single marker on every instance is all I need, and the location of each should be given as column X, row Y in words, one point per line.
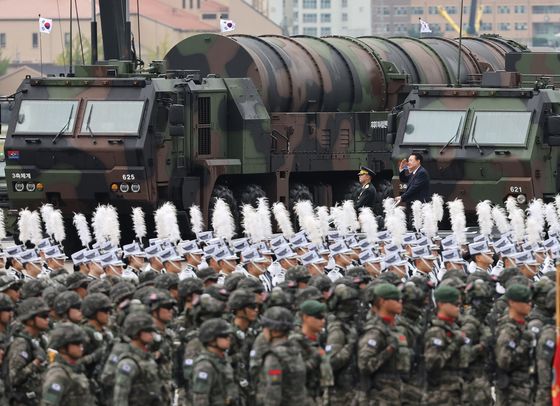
column 521, row 199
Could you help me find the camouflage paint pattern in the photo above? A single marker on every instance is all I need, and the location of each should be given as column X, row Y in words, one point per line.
column 500, row 168
column 270, row 111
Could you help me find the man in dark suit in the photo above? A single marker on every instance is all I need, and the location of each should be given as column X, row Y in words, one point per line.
column 417, row 179
column 367, row 195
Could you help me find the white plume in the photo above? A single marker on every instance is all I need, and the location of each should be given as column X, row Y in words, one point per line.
column 138, row 223
column 430, row 221
column 368, row 224
column 388, row 206
column 29, row 224
column 336, row 216
column 166, row 222
column 312, row 228
column 517, row 224
column 303, row 208
column 458, row 220
column 2, row 225
column 396, row 224
column 437, row 206
column 485, row 220
column 283, row 219
column 263, row 211
column 349, row 218
column 252, row 223
column 197, row 222
column 501, row 220
column 57, row 224
column 82, row 228
column 535, row 221
column 557, row 203
column 46, row 212
column 417, row 215
column 324, row 218
column 552, row 218
column 511, row 205
column 222, row 220
column 97, row 223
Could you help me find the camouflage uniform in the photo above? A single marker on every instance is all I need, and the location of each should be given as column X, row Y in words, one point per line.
column 443, row 355
column 66, row 384
column 515, row 346
column 477, row 387
column 383, row 355
column 342, row 338
column 282, row 372
column 544, row 354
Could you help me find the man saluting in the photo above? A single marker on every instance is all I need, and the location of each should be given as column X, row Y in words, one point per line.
column 367, row 195
column 417, row 179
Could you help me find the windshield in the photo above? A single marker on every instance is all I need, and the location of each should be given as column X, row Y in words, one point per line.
column 112, row 117
column 434, row 127
column 46, row 116
column 500, row 128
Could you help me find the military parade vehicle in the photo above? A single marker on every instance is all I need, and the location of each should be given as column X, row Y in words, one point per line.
column 236, row 117
column 493, row 141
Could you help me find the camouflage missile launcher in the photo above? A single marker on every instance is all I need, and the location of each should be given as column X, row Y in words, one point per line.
column 490, row 142
column 235, row 117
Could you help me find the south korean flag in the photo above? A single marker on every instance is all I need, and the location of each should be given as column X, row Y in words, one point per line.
column 45, row 25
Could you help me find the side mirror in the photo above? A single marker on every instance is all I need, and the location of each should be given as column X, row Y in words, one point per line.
column 177, row 114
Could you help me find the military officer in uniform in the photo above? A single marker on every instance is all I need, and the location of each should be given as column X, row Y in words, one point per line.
column 367, row 195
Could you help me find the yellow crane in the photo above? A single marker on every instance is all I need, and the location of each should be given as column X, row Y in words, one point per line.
column 474, row 20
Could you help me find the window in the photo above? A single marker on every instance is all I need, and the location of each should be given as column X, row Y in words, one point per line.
column 420, row 127
column 519, row 9
column 486, row 26
column 432, row 10
column 310, row 31
column 344, row 3
column 310, row 18
column 503, row 9
column 451, row 9
column 309, row 3
column 546, row 9
column 112, row 117
column 35, row 40
column 487, row 10
column 46, row 116
column 325, row 31
column 344, row 17
column 504, row 26
column 325, row 18
column 500, row 128
column 520, row 26
column 2, row 40
column 325, row 3
column 208, row 16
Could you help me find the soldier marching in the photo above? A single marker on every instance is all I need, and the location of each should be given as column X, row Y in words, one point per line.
column 338, row 312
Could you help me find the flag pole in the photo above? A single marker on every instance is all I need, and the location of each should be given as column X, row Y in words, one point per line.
column 460, row 47
column 40, row 49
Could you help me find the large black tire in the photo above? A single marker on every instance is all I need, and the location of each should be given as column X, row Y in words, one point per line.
column 225, row 193
column 250, row 194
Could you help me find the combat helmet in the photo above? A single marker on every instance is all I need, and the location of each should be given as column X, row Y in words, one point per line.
column 66, row 333
column 308, row 293
column 278, row 318
column 167, row 281
column 540, row 291
column 240, row 299
column 6, row 304
column 550, row 303
column 207, row 307
column 477, row 290
column 342, row 294
column 30, row 308
column 188, row 287
column 298, row 274
column 212, row 329
column 137, row 322
column 121, row 291
column 95, row 302
column 278, row 297
column 157, row 299
column 65, row 301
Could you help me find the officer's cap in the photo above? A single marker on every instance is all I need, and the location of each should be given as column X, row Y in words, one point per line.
column 364, row 170
column 313, row 308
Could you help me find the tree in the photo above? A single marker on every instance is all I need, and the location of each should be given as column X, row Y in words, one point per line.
column 4, row 63
column 157, row 54
column 64, row 57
